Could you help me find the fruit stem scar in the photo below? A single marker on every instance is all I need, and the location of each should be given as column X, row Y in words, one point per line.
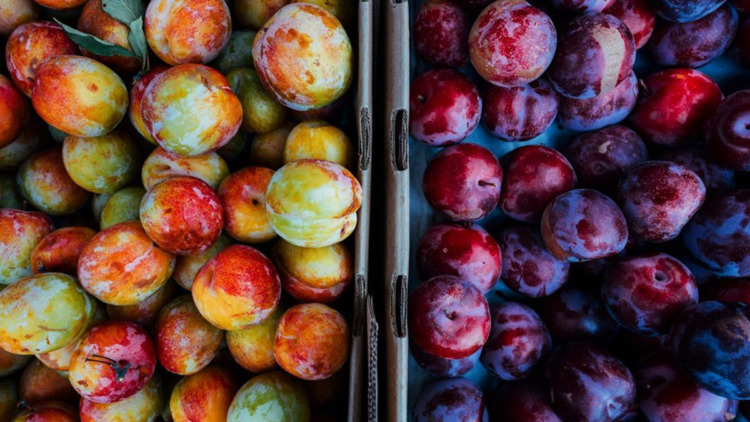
column 120, row 371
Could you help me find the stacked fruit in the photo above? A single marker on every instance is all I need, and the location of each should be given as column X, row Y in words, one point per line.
column 619, row 264
column 129, row 289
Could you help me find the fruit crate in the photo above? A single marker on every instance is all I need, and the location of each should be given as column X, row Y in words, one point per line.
column 409, row 215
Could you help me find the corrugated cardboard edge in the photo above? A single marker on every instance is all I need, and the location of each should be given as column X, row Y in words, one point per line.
column 358, row 358
column 372, row 362
column 397, row 207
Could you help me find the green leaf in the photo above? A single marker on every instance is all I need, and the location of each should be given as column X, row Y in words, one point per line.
column 125, row 11
column 137, row 40
column 94, row 45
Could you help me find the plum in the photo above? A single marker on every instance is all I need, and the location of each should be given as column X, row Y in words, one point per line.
column 273, row 396
column 20, row 234
column 452, row 399
column 123, row 205
column 685, row 10
column 582, row 6
column 143, row 406
column 187, row 266
column 145, row 311
column 43, row 181
column 441, row 33
column 59, row 251
column 728, row 138
column 14, row 13
column 30, row 140
column 694, row 159
column 444, row 367
column 39, row 383
column 162, row 164
column 740, row 50
column 525, row 402
column 252, row 348
column 520, row 113
column 528, row 268
column 48, row 411
column 101, row 164
column 136, row 98
column 204, row 396
column 94, row 20
column 605, row 109
column 638, row 17
column 727, row 290
column 243, row 201
column 574, row 314
column 320, row 140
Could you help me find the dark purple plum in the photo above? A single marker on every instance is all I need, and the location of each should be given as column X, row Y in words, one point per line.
column 594, row 53
column 525, row 402
column 728, row 290
column 728, row 140
column 684, row 10
column 607, row 108
column 450, row 318
column 588, row 384
column 658, row 198
column 528, row 268
column 533, row 176
column 631, row 347
column 573, row 314
column 719, row 234
column 711, row 340
column 452, row 399
column 518, row 341
column 740, row 49
column 441, row 33
column 667, row 394
column 467, row 252
column 638, row 17
column 444, row 367
column 583, row 225
column 520, row 113
column 601, row 157
column 645, row 293
column 463, row 182
column 693, row 159
column 694, row 44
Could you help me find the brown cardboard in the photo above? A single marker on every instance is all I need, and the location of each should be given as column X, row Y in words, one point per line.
column 397, row 208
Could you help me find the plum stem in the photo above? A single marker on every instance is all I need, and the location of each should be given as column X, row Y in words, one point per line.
column 120, row 371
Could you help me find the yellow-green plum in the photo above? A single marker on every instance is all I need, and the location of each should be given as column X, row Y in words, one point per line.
column 123, row 205
column 204, row 396
column 162, row 164
column 79, row 95
column 252, row 347
column 238, row 52
column 97, row 205
column 273, row 396
column 189, row 265
column 20, row 233
column 101, row 164
column 143, row 406
column 260, row 111
column 319, row 140
column 43, row 312
column 313, row 203
column 44, row 182
column 303, row 57
column 9, row 195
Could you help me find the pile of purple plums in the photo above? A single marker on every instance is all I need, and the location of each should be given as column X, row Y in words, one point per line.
column 621, row 264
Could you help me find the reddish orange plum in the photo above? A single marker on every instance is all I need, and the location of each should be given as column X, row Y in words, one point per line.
column 93, row 97
column 243, row 198
column 11, row 363
column 44, row 182
column 185, row 342
column 189, row 31
column 113, row 361
column 310, row 40
column 237, row 289
column 14, row 111
column 252, row 347
column 312, row 341
column 95, row 21
column 14, row 13
column 136, row 96
column 145, row 311
column 122, row 266
column 314, row 274
column 20, row 233
column 39, row 384
column 59, row 250
column 29, row 45
column 30, row 140
column 162, row 164
column 189, row 265
column 182, row 215
column 143, row 406
column 204, row 396
column 190, row 109
column 48, row 412
column 61, row 4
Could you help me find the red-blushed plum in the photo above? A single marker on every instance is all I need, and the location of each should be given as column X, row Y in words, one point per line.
column 645, row 293
column 243, row 200
column 236, row 289
column 637, row 16
column 444, row 107
column 59, row 359
column 452, row 315
column 463, row 182
column 162, row 164
column 14, row 111
column 38, row 384
column 588, row 384
column 512, row 43
column 252, row 348
column 668, row 394
column 43, row 181
column 694, row 44
column 674, row 105
column 113, row 361
column 145, row 311
column 518, row 341
column 444, row 367
column 719, row 234
column 182, row 215
column 605, row 109
column 275, row 396
column 533, row 176
column 312, row 341
column 136, row 97
column 658, row 198
column 204, row 396
column 188, row 265
column 583, row 225
column 94, row 20
column 694, row 159
column 122, row 266
column 711, row 340
column 728, row 138
column 452, row 399
column 14, row 13
column 20, row 233
column 684, row 10
column 740, row 50
column 520, row 113
column 48, row 411
column 59, row 251
column 595, row 53
column 525, row 402
column 441, row 33
column 582, row 6
column 143, row 406
column 727, row 290
column 467, row 252
column 528, row 268
column 602, row 156
column 185, row 342
column 29, row 45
